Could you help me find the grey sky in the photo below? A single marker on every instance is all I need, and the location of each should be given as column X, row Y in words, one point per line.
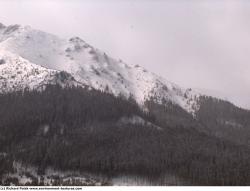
column 203, row 44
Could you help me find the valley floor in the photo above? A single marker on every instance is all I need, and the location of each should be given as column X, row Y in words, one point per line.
column 24, row 175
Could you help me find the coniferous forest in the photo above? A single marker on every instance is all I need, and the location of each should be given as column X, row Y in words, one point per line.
column 82, row 129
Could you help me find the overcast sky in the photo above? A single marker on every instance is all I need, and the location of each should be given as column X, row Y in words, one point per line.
column 194, row 43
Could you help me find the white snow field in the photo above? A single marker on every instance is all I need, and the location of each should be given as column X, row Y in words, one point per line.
column 39, row 55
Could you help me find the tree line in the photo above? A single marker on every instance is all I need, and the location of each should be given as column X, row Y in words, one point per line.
column 78, row 129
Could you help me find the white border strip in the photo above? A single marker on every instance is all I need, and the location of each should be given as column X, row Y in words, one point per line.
column 126, row 188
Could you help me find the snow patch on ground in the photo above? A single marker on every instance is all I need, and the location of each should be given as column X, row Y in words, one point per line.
column 137, row 120
column 28, row 175
column 133, row 180
column 231, row 123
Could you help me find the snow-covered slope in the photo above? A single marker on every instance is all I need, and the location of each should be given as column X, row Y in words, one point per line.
column 17, row 73
column 92, row 67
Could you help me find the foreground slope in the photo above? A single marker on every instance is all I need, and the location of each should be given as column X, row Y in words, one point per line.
column 91, row 131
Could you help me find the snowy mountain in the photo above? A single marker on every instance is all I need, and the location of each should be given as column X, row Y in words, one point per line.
column 47, row 136
column 49, row 54
column 17, row 73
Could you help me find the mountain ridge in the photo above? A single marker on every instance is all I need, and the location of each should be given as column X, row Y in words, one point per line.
column 114, row 117
column 94, row 68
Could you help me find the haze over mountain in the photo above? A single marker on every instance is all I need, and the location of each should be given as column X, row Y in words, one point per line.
column 201, row 44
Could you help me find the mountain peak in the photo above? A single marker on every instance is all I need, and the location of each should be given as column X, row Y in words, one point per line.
column 2, row 25
column 93, row 67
